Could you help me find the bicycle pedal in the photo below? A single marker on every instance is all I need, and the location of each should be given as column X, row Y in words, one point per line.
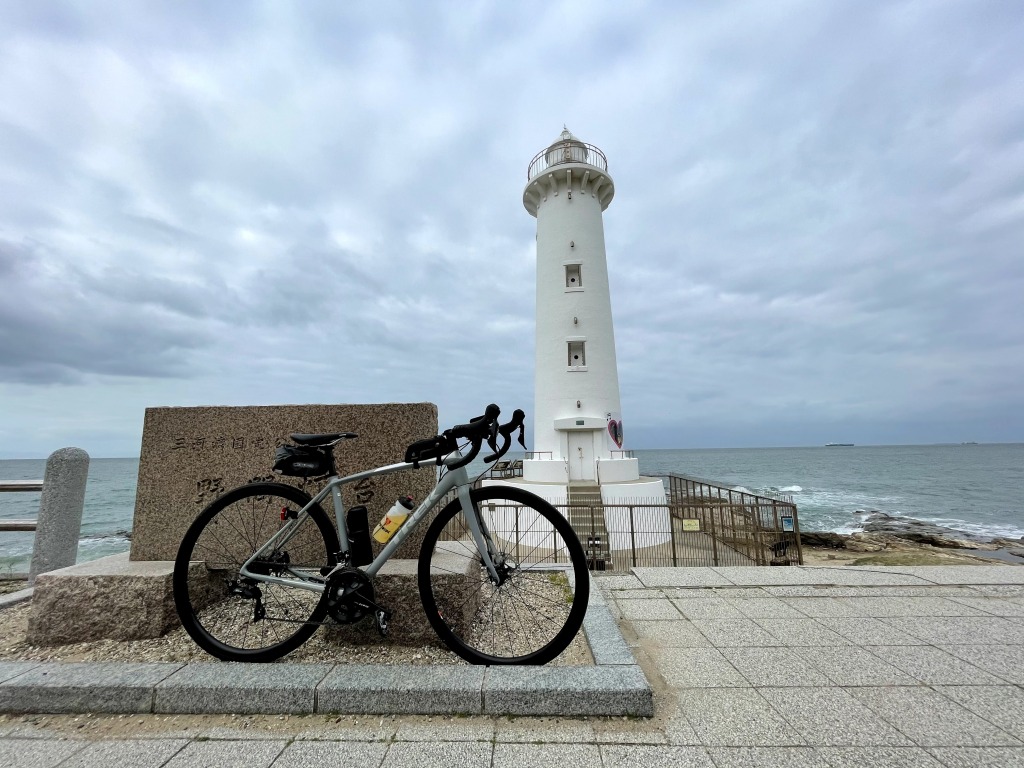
column 383, row 618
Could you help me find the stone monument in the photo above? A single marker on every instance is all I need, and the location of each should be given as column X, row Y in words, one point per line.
column 189, row 457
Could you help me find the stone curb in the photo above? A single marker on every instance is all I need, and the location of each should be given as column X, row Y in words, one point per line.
column 13, row 598
column 614, row 686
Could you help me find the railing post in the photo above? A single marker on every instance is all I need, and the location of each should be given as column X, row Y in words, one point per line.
column 714, row 537
column 672, row 534
column 60, row 511
column 632, row 535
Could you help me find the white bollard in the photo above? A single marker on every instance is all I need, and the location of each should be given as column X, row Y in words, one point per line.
column 60, row 511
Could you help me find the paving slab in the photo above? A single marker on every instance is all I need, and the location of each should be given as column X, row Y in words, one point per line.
column 832, row 717
column 707, row 608
column 619, row 756
column 448, row 729
column 546, row 730
column 931, row 719
column 698, row 668
column 398, row 689
column 1002, row 705
column 36, row 753
column 980, row 757
column 850, row 666
column 332, row 754
column 820, row 606
column 768, row 757
column 228, row 754
column 661, row 609
column 84, row 687
column 801, row 632
column 736, row 717
column 129, row 753
column 932, row 665
column 964, row 575
column 779, row 667
column 960, row 630
column 765, row 608
column 561, row 755
column 208, row 688
column 1003, row 661
column 669, row 634
column 806, row 575
column 864, row 630
column 878, row 757
column 680, row 577
column 994, row 606
column 734, row 632
column 461, row 754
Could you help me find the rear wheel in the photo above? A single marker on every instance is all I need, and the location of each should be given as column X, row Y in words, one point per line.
column 243, row 619
column 535, row 610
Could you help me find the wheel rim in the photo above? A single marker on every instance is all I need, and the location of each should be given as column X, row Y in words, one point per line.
column 233, row 617
column 534, row 613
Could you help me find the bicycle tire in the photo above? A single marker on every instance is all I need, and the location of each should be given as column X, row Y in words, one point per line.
column 533, row 615
column 226, row 624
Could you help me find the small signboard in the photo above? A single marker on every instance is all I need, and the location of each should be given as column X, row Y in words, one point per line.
column 787, row 523
column 691, row 525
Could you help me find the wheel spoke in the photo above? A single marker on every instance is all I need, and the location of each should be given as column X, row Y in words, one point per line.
column 533, row 614
column 218, row 608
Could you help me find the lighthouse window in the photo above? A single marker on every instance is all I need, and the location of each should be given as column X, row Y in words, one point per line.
column 577, row 354
column 573, row 278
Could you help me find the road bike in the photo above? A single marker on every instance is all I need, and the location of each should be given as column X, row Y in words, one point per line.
column 501, row 574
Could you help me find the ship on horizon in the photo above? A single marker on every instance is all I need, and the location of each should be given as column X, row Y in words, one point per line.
column 839, row 445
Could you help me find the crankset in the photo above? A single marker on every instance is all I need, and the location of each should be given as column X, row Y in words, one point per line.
column 350, row 597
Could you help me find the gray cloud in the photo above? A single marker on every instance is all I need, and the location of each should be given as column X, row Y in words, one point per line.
column 816, row 228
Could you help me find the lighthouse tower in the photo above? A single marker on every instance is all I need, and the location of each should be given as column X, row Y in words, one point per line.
column 577, row 419
column 577, row 430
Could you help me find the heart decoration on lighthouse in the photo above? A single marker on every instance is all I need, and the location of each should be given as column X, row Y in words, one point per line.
column 615, row 430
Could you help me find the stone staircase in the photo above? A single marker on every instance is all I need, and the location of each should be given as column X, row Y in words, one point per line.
column 586, row 516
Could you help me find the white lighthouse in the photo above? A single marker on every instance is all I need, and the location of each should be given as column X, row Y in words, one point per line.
column 577, row 429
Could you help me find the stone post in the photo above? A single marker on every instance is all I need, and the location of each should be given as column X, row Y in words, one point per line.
column 60, row 511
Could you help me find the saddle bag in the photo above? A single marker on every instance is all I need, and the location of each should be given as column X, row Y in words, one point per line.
column 303, row 461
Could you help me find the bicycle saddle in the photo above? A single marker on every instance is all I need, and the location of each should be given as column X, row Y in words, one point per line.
column 325, row 439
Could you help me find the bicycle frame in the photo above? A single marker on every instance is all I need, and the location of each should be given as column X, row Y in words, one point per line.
column 454, row 478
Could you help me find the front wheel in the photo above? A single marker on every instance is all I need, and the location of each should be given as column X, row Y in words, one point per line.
column 535, row 610
column 244, row 619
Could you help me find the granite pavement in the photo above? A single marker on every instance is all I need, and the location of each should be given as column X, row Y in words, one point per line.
column 800, row 666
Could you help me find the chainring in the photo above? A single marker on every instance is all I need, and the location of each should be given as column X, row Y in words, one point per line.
column 350, row 596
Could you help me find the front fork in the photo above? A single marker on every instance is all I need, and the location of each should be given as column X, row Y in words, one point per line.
column 482, row 537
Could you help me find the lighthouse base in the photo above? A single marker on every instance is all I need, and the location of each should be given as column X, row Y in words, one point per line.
column 632, row 513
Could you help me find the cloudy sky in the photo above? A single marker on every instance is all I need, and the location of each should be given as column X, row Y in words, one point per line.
column 817, row 233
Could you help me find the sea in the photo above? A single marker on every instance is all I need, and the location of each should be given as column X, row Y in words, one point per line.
column 978, row 488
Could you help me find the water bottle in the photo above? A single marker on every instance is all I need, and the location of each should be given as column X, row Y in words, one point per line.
column 393, row 520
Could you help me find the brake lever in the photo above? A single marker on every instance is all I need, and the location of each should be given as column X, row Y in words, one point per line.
column 506, row 430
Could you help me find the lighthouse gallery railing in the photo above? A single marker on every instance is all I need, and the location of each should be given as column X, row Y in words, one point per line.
column 566, row 152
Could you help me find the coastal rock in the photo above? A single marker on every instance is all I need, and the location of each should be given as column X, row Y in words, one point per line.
column 1016, row 552
column 1003, row 542
column 924, row 533
column 825, row 539
column 862, row 543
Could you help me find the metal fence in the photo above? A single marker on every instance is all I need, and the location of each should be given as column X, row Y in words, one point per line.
column 702, row 523
column 709, row 529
